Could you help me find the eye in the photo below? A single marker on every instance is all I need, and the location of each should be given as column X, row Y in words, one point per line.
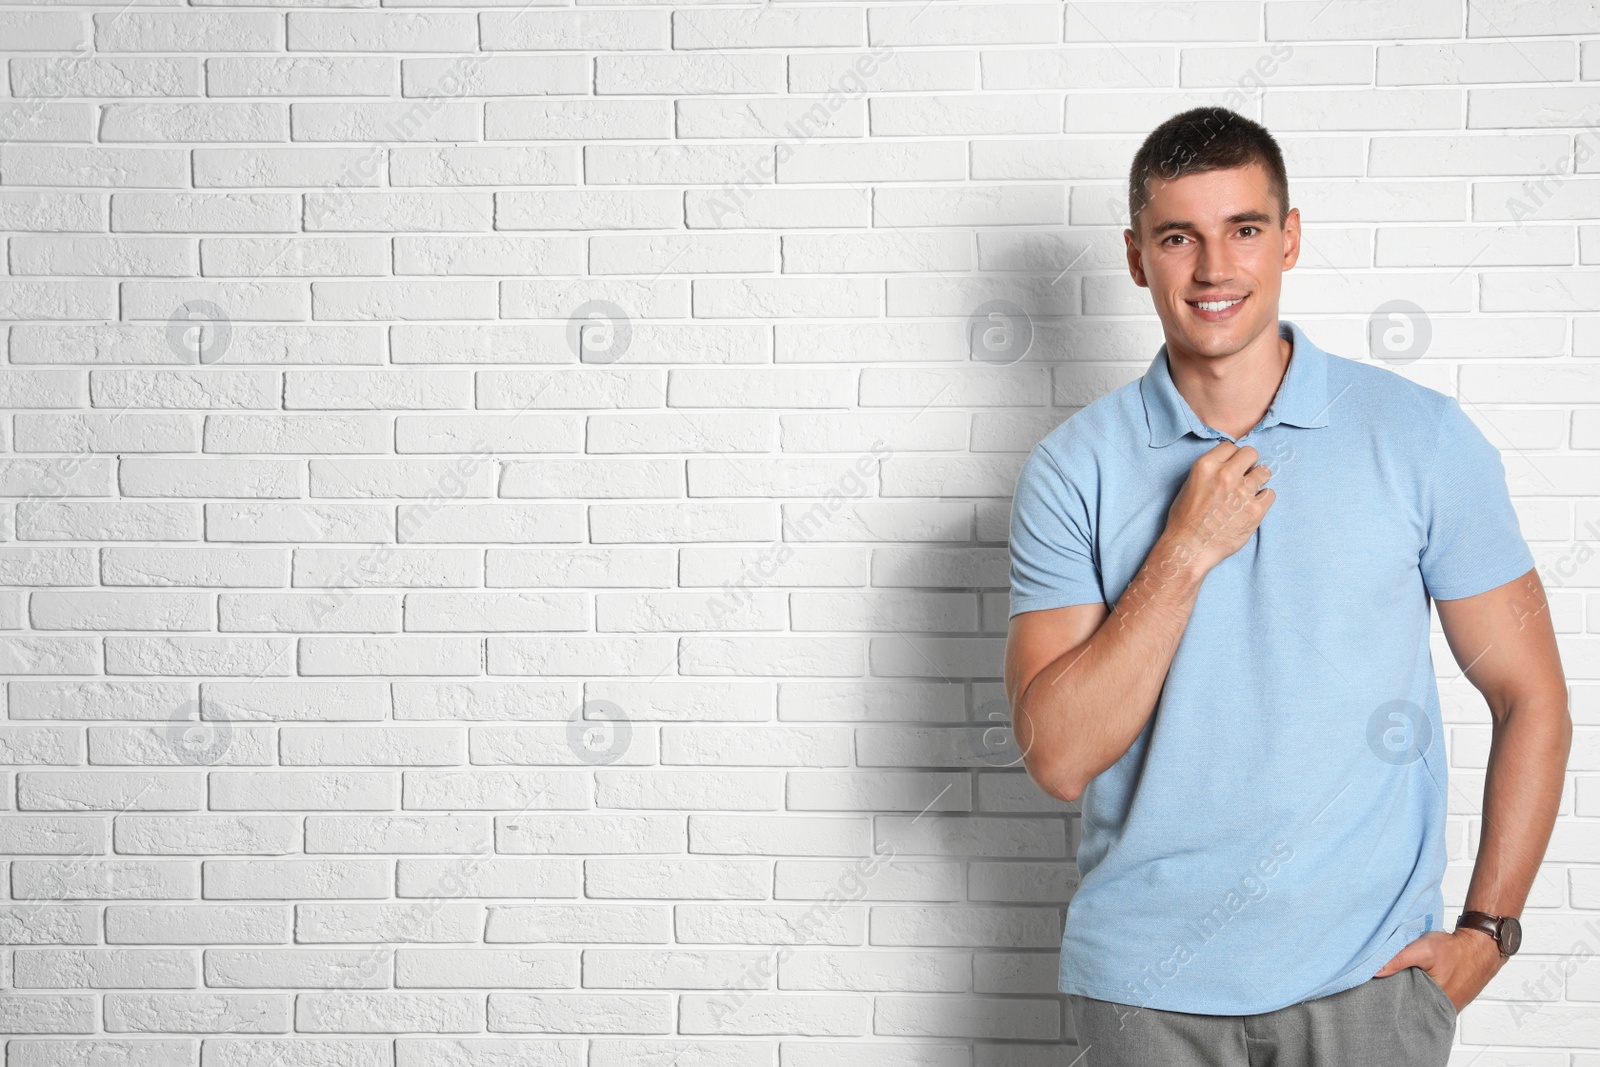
column 1255, row 230
column 1173, row 237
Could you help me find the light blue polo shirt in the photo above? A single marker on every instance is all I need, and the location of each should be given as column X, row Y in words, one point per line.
column 1276, row 832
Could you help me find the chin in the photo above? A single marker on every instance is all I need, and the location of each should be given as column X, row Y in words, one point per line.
column 1219, row 346
column 1217, row 335
column 1211, row 334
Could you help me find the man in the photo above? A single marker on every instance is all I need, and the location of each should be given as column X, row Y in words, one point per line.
column 1236, row 679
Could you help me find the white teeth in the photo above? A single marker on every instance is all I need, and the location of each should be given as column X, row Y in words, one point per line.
column 1216, row 305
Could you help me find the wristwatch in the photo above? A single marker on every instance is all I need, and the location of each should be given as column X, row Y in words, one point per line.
column 1505, row 929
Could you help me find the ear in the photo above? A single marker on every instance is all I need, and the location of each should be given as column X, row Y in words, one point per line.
column 1291, row 238
column 1135, row 260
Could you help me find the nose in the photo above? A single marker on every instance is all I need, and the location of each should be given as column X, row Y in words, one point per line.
column 1213, row 265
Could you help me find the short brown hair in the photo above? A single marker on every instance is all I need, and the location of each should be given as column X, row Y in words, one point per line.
column 1202, row 139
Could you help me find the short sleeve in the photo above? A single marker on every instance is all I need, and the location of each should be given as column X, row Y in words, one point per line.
column 1052, row 555
column 1474, row 543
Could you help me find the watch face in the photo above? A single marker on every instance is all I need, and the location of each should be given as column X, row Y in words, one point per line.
column 1510, row 934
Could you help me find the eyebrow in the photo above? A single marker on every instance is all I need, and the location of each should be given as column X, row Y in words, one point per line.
column 1233, row 220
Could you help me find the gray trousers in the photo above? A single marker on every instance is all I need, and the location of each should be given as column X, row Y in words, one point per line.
column 1403, row 1020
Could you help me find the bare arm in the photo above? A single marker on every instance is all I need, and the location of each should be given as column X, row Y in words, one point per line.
column 1504, row 641
column 1078, row 714
column 1082, row 681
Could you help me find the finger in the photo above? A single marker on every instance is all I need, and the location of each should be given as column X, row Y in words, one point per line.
column 1241, row 460
column 1406, row 957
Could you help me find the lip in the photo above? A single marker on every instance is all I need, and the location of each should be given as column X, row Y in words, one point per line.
column 1219, row 316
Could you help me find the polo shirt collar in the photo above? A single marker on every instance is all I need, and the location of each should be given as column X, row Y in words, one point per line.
column 1301, row 400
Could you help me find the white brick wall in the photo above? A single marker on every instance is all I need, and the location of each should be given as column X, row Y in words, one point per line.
column 300, row 449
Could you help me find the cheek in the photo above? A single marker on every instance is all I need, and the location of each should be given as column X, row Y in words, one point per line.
column 1262, row 269
column 1270, row 276
column 1163, row 272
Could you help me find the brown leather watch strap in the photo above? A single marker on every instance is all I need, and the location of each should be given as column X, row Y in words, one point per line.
column 1482, row 920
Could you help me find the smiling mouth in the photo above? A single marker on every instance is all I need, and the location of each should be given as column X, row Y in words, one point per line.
column 1215, row 305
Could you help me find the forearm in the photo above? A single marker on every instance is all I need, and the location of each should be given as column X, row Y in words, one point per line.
column 1083, row 711
column 1521, row 796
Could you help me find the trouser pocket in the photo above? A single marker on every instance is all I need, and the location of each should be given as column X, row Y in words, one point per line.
column 1436, row 991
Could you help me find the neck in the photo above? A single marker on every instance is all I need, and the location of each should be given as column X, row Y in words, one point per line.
column 1231, row 393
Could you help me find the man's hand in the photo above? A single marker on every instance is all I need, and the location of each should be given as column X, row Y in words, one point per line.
column 1220, row 505
column 1462, row 963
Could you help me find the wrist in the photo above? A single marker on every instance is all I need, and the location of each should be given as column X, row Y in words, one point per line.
column 1179, row 558
column 1483, row 944
column 1504, row 932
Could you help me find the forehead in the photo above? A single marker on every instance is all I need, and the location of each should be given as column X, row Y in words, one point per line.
column 1213, row 193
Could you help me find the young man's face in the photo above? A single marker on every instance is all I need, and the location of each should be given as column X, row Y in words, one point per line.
column 1212, row 254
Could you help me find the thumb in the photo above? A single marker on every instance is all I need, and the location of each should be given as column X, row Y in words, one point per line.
column 1406, row 957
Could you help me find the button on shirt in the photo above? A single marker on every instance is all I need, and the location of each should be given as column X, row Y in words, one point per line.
column 1276, row 831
